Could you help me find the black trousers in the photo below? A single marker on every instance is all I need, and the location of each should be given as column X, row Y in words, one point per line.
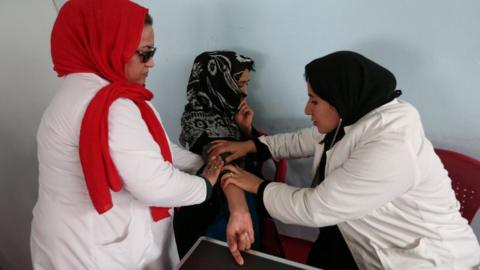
column 330, row 251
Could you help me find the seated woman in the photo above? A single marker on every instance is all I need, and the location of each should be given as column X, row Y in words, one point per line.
column 217, row 109
column 375, row 176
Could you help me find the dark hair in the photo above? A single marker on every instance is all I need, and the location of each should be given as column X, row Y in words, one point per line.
column 148, row 20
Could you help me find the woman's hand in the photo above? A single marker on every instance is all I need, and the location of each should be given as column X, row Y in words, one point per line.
column 212, row 169
column 244, row 118
column 234, row 149
column 240, row 234
column 240, row 178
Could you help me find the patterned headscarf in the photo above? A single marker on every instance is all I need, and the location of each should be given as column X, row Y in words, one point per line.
column 213, row 96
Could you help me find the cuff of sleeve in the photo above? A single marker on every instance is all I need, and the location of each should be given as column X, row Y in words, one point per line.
column 255, row 133
column 261, row 205
column 209, row 187
column 263, row 153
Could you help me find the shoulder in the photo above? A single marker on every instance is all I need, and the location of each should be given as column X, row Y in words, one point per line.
column 74, row 94
column 395, row 126
column 125, row 112
column 395, row 116
column 84, row 80
column 398, row 111
column 198, row 146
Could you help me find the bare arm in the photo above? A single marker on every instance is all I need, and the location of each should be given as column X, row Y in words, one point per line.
column 240, row 233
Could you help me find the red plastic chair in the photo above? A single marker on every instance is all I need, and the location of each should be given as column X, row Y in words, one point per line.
column 465, row 174
column 273, row 243
column 295, row 249
column 280, row 166
column 270, row 239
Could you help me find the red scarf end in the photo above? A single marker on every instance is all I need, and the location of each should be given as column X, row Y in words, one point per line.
column 103, row 208
column 159, row 213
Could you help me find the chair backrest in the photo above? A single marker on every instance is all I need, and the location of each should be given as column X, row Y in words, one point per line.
column 281, row 170
column 270, row 238
column 280, row 166
column 465, row 174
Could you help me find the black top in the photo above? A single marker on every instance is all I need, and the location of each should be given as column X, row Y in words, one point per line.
column 190, row 222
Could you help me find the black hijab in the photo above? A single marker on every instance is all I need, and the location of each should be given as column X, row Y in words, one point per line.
column 354, row 85
column 351, row 83
column 213, row 96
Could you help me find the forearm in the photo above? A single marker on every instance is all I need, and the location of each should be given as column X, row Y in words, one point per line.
column 236, row 199
column 144, row 172
column 299, row 144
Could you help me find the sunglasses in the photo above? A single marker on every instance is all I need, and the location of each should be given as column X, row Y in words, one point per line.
column 146, row 55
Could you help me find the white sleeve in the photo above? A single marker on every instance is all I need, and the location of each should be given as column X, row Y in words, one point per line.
column 185, row 160
column 145, row 174
column 374, row 174
column 298, row 144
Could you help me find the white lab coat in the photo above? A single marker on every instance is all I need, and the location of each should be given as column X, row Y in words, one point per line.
column 385, row 188
column 67, row 232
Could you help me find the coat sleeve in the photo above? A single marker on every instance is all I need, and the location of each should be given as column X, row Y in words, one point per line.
column 374, row 174
column 145, row 174
column 293, row 145
column 186, row 160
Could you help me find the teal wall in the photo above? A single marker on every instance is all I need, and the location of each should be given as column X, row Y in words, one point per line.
column 432, row 46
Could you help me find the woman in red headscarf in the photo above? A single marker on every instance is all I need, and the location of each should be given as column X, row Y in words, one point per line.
column 108, row 174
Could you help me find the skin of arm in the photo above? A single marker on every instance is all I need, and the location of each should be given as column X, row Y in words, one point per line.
column 240, row 178
column 240, row 233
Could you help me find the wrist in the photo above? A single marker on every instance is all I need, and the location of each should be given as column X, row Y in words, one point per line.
column 247, row 131
column 208, row 186
column 251, row 148
column 210, row 181
column 260, row 203
column 240, row 213
column 254, row 187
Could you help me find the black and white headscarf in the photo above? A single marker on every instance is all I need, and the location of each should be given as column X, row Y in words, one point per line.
column 213, row 96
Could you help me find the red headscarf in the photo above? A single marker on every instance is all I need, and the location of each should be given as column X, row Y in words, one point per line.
column 100, row 36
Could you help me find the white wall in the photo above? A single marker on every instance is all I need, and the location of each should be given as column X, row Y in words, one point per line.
column 432, row 46
column 27, row 83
